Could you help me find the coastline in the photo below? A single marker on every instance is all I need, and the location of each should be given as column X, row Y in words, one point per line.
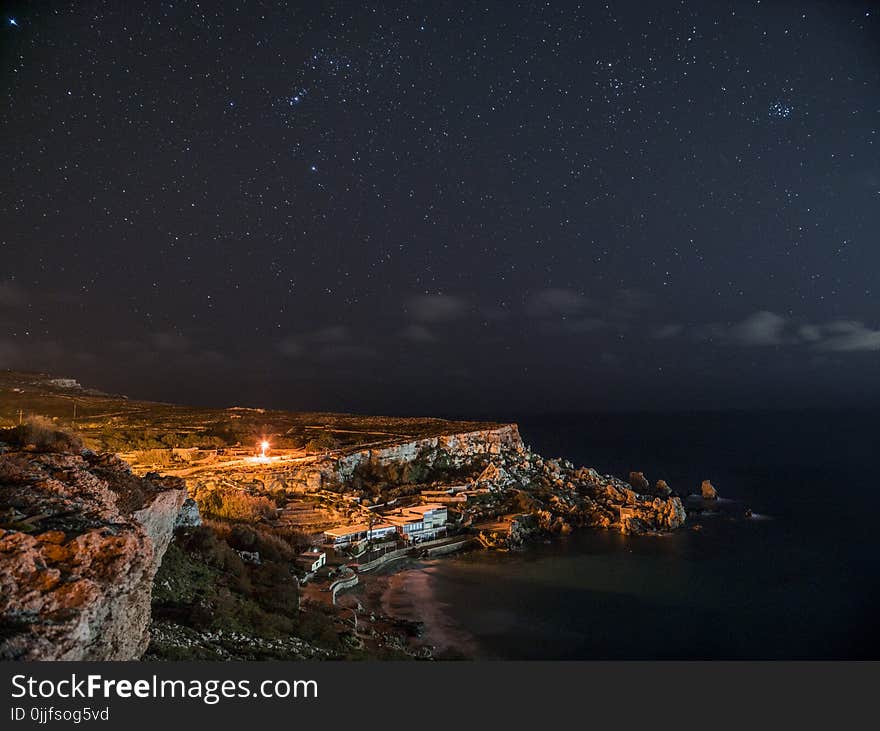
column 411, row 591
column 402, row 593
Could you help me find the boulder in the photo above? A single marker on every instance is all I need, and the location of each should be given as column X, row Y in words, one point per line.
column 708, row 491
column 639, row 481
column 661, row 488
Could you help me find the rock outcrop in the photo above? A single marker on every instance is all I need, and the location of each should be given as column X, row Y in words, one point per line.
column 708, row 491
column 639, row 481
column 455, row 449
column 662, row 488
column 511, row 492
column 557, row 496
column 189, row 515
column 81, row 538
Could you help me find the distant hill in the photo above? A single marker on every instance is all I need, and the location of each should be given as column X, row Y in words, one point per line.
column 119, row 424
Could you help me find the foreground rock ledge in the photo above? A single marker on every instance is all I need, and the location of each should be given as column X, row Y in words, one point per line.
column 81, row 538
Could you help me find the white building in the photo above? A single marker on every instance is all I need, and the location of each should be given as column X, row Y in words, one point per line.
column 312, row 560
column 434, row 515
column 346, row 534
column 420, row 522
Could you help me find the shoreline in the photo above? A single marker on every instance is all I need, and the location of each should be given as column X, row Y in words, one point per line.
column 401, row 591
column 402, row 594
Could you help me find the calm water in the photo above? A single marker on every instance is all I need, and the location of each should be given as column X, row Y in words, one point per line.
column 804, row 583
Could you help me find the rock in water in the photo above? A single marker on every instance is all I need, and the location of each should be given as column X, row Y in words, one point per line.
column 661, row 488
column 708, row 491
column 639, row 481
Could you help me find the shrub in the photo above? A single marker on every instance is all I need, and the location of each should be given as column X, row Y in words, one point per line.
column 203, row 583
column 270, row 546
column 322, row 443
column 163, row 457
column 44, row 435
column 214, row 551
column 234, row 505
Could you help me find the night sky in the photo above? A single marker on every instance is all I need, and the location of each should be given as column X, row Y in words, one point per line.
column 445, row 207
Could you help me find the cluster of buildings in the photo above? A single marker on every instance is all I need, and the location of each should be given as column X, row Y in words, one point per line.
column 414, row 524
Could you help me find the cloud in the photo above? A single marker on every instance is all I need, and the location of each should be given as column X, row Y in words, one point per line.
column 437, row 308
column 343, row 352
column 332, row 334
column 313, row 341
column 848, row 337
column 32, row 355
column 556, row 301
column 759, row 329
column 168, row 350
column 628, row 303
column 335, row 343
column 290, row 346
column 584, row 325
column 672, row 330
column 810, row 333
column 418, row 334
column 169, row 342
column 568, row 310
column 765, row 328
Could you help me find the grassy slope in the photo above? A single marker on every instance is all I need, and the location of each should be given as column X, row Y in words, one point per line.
column 114, row 423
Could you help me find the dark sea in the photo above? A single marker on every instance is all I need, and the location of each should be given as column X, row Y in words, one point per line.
column 799, row 581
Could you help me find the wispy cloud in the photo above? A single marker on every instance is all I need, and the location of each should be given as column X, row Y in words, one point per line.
column 170, row 342
column 416, row 333
column 556, row 301
column 672, row 330
column 765, row 328
column 169, row 350
column 47, row 354
column 434, row 308
column 329, row 344
column 758, row 329
column 847, row 337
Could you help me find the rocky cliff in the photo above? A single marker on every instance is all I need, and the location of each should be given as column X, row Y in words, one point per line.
column 453, row 449
column 535, row 494
column 81, row 538
column 509, row 483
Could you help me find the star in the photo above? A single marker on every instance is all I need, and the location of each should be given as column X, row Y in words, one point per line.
column 13, row 21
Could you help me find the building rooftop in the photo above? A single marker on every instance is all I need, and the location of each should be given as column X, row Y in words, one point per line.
column 344, row 530
column 422, row 509
column 403, row 519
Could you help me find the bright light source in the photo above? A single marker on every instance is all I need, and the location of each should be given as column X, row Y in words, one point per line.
column 264, row 446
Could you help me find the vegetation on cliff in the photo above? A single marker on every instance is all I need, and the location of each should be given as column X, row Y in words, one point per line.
column 230, row 592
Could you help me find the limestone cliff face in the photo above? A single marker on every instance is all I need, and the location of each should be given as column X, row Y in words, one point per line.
column 80, row 540
column 460, row 448
column 549, row 495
